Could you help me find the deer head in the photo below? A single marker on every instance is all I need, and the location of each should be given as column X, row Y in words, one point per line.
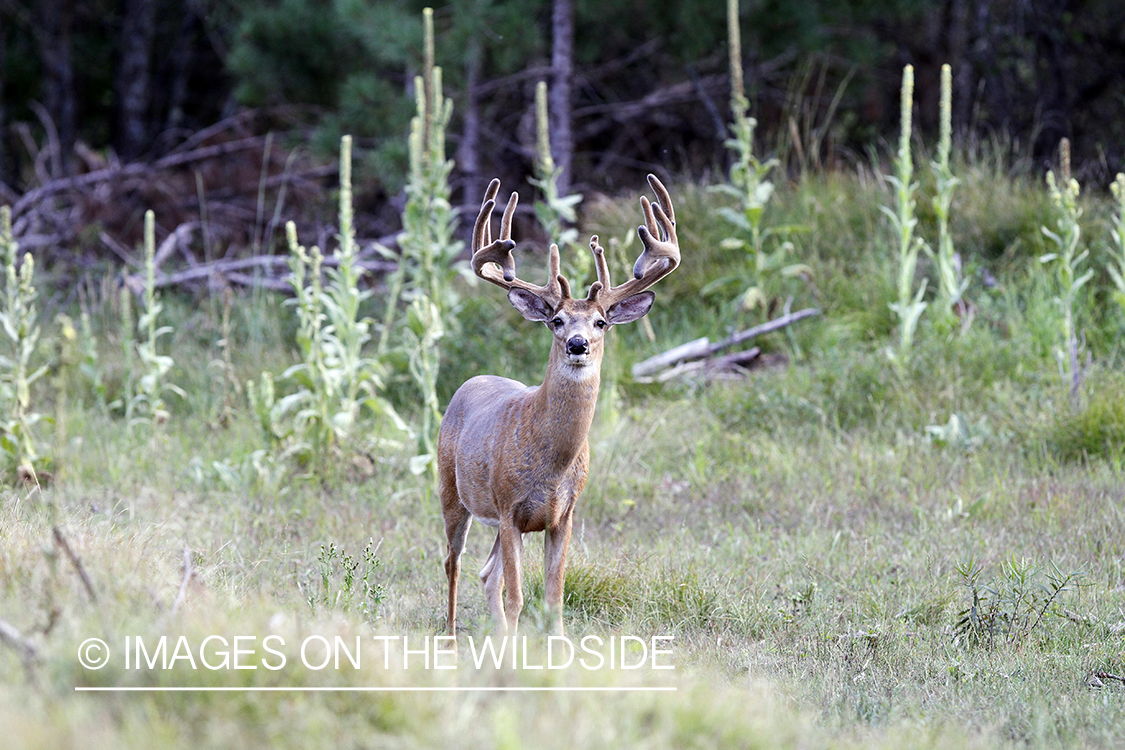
column 579, row 324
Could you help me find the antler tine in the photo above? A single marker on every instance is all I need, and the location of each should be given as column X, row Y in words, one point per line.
column 489, row 195
column 661, row 253
column 482, row 233
column 602, row 267
column 499, row 252
column 660, row 227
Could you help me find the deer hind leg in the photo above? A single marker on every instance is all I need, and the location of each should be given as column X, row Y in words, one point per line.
column 556, row 542
column 456, row 529
column 504, row 570
column 492, row 576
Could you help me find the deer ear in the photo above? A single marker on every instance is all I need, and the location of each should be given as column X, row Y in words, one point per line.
column 530, row 305
column 630, row 308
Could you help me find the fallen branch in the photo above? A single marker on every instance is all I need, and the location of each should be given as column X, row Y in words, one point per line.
column 61, row 542
column 253, row 280
column 736, row 363
column 682, row 353
column 36, row 196
column 653, row 107
column 11, row 637
column 700, row 354
column 182, row 235
column 764, row 328
column 230, row 268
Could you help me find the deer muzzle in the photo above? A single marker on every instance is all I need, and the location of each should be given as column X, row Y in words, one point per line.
column 577, row 346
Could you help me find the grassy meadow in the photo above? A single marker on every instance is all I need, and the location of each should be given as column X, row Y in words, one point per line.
column 853, row 546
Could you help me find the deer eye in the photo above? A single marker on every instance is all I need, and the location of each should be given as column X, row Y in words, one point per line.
column 556, row 323
column 600, row 323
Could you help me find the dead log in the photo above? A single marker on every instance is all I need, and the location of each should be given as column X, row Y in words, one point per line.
column 689, row 351
column 735, row 361
column 700, row 354
column 730, row 364
column 764, row 328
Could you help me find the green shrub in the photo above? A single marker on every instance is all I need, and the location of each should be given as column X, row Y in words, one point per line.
column 1096, row 429
column 20, row 327
column 1009, row 609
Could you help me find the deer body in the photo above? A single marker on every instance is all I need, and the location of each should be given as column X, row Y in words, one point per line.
column 498, row 451
column 517, row 457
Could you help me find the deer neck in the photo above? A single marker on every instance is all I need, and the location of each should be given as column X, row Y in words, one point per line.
column 565, row 405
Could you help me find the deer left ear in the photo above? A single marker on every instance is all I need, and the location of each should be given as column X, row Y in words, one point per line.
column 630, row 308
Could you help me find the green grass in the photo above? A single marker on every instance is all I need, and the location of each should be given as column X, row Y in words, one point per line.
column 798, row 532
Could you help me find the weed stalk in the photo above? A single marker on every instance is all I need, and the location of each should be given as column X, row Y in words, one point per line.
column 1116, row 264
column 951, row 287
column 145, row 404
column 751, row 188
column 334, row 380
column 19, row 320
column 909, row 305
column 554, row 211
column 428, row 263
column 1068, row 262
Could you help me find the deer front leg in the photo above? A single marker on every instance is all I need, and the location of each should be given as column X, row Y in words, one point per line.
column 557, row 541
column 511, row 558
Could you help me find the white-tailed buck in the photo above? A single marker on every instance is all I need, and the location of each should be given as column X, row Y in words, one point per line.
column 516, row 457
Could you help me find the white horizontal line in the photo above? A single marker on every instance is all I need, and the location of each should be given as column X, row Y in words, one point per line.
column 298, row 689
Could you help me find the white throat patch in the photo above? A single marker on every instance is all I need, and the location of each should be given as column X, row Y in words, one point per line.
column 578, row 372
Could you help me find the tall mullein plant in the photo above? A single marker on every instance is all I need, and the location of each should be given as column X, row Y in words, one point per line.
column 146, row 404
column 1116, row 265
column 335, row 380
column 356, row 380
column 428, row 264
column 308, row 406
column 19, row 319
column 951, row 286
column 909, row 305
column 751, row 189
column 747, row 174
column 1068, row 262
column 555, row 211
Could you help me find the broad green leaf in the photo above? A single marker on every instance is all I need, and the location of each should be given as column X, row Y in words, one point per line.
column 419, row 463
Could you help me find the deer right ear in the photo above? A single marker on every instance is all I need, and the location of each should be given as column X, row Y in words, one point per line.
column 530, row 305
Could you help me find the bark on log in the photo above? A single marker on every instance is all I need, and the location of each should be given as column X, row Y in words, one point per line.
column 699, row 354
column 764, row 328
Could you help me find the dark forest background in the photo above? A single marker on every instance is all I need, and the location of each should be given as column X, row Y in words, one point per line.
column 224, row 115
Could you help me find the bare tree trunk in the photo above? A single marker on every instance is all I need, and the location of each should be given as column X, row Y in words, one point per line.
column 182, row 54
column 562, row 66
column 3, row 112
column 468, row 155
column 57, row 19
column 132, row 84
column 961, row 64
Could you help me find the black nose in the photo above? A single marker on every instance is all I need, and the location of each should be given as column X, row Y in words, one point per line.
column 577, row 345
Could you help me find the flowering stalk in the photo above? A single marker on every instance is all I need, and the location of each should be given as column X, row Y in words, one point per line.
column 951, row 286
column 909, row 306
